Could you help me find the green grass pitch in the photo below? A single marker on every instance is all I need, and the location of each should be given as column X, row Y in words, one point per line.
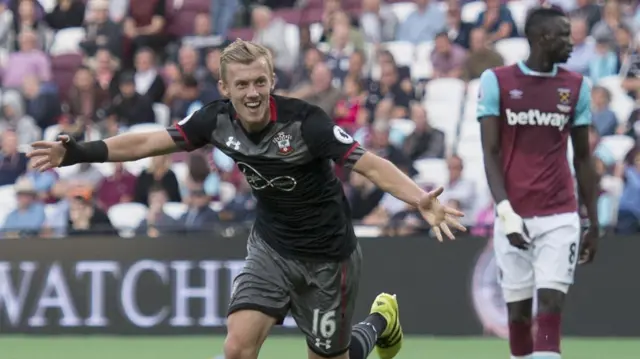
column 280, row 347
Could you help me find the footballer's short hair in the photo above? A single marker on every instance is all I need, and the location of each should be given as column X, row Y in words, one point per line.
column 244, row 52
column 537, row 17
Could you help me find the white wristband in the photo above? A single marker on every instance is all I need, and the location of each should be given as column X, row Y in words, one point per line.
column 504, row 208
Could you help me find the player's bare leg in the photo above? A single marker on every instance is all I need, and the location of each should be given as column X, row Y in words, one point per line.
column 246, row 332
column 547, row 341
column 520, row 336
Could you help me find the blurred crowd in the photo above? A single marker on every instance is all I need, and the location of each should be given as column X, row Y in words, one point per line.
column 400, row 76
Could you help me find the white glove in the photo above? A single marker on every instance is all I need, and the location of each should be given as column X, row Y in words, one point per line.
column 511, row 221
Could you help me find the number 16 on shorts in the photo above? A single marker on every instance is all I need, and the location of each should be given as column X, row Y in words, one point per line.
column 323, row 327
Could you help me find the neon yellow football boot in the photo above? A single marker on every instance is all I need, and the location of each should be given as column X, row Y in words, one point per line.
column 390, row 342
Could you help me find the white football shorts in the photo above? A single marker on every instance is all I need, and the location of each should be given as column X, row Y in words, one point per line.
column 549, row 262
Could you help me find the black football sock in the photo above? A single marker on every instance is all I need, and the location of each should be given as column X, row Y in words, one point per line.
column 364, row 336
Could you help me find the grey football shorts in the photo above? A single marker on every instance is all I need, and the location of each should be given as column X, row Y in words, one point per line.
column 321, row 296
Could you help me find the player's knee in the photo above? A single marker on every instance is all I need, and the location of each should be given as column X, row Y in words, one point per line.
column 235, row 347
column 550, row 300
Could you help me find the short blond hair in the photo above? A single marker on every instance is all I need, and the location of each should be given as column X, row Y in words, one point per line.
column 244, row 52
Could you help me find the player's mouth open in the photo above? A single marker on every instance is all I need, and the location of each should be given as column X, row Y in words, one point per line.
column 253, row 105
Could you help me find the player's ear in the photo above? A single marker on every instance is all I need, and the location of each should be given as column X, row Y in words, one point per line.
column 273, row 82
column 222, row 87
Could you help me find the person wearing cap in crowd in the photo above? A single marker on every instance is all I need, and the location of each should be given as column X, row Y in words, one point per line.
column 85, row 218
column 129, row 107
column 27, row 219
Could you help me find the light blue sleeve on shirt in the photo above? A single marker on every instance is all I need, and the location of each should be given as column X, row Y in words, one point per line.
column 582, row 115
column 488, row 95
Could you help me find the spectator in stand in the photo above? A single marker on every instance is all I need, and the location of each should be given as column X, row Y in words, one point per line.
column 459, row 31
column 329, row 9
column 85, row 218
column 380, row 145
column 391, row 89
column 270, row 32
column 157, row 221
column 27, row 219
column 30, row 60
column 199, row 216
column 356, row 68
column 425, row 141
column 43, row 182
column 497, row 21
column 583, row 50
column 129, row 107
column 117, row 188
column 189, row 99
column 28, row 18
column 106, row 69
column 86, row 99
column 629, row 210
column 202, row 40
column 356, row 37
column 222, row 15
column 589, row 10
column 210, row 81
column 604, row 120
column 101, row 32
column 13, row 164
column 66, row 14
column 145, row 26
column 377, row 22
column 13, row 117
column 459, row 190
column 337, row 58
column 447, row 58
column 321, row 92
column 481, row 56
column 612, row 19
column 624, row 42
column 423, row 24
column 604, row 61
column 302, row 75
column 242, row 207
column 282, row 81
column 148, row 81
column 349, row 114
column 6, row 26
column 189, row 62
column 159, row 172
column 364, row 196
column 41, row 105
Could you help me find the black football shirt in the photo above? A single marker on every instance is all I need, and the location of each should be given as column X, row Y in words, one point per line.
column 302, row 211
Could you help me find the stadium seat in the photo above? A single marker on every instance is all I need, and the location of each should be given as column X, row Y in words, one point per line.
column 402, row 10
column 48, row 5
column 613, row 84
column 67, row 171
column 469, row 150
column 4, row 212
column 146, row 127
column 473, row 87
column 63, row 69
column 622, row 106
column 315, row 30
column 24, row 148
column 367, row 231
column 292, row 39
column 448, row 90
column 181, row 170
column 513, row 49
column 107, row 169
column 4, row 56
column 471, row 11
column 423, row 51
column 405, row 126
column 216, row 206
column 519, row 10
column 51, row 133
column 50, row 211
column 126, row 217
column 618, row 145
column 163, row 114
column 431, row 171
column 136, row 167
column 444, row 117
column 175, row 209
column 67, row 41
column 227, row 192
column 421, row 70
column 402, row 51
column 7, row 196
column 469, row 131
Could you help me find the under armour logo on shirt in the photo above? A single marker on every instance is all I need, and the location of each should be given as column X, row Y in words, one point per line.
column 233, row 143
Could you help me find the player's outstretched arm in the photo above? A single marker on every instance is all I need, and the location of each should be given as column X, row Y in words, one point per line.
column 389, row 178
column 121, row 148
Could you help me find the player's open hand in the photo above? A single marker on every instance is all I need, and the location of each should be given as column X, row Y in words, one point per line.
column 589, row 245
column 440, row 217
column 48, row 154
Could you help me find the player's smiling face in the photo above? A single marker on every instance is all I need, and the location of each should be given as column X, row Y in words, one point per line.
column 248, row 86
column 557, row 41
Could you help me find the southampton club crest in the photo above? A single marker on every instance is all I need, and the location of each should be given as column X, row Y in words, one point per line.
column 283, row 141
